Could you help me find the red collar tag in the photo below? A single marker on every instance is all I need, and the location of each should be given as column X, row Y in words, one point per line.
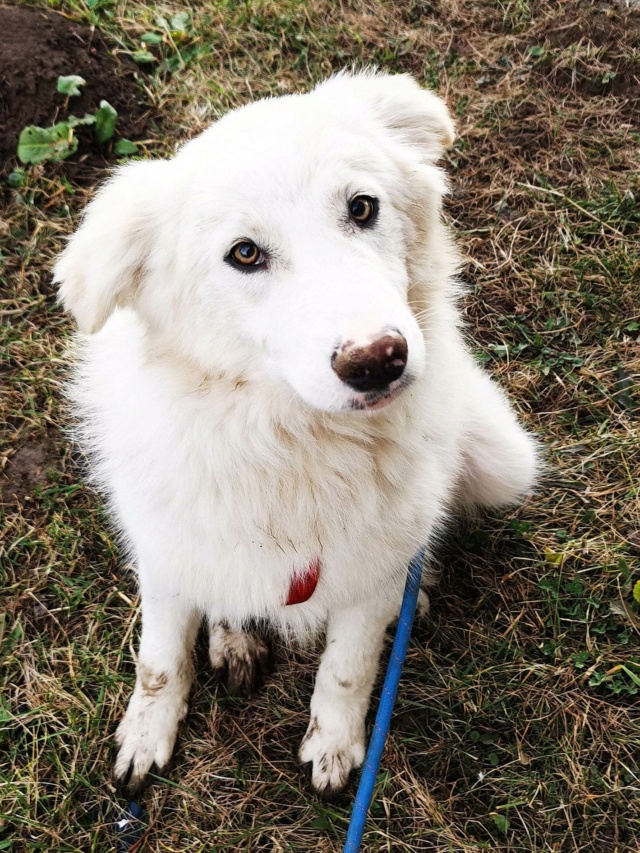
column 304, row 585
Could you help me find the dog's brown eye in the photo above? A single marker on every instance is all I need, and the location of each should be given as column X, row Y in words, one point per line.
column 246, row 254
column 363, row 209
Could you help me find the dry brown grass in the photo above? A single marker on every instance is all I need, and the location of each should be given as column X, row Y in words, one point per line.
column 517, row 727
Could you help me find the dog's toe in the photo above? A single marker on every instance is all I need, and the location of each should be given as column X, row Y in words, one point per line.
column 245, row 674
column 146, row 738
column 127, row 778
column 139, row 756
column 135, row 777
column 329, row 756
column 241, row 657
column 330, row 773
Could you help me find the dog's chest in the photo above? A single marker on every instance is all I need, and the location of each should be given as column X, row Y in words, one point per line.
column 253, row 514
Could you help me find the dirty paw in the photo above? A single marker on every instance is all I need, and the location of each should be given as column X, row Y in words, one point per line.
column 147, row 735
column 330, row 754
column 141, row 751
column 241, row 657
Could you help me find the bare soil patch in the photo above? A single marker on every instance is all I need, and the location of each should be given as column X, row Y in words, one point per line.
column 26, row 470
column 609, row 36
column 37, row 47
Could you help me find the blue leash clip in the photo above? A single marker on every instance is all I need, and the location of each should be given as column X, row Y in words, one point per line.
column 130, row 828
column 364, row 794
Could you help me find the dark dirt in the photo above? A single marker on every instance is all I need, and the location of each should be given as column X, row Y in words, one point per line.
column 36, row 47
column 613, row 33
column 26, row 470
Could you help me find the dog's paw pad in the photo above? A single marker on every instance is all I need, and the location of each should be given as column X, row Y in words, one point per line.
column 242, row 658
column 329, row 757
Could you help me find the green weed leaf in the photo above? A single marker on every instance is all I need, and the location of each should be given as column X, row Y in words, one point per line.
column 87, row 119
column 124, row 147
column 37, row 144
column 581, row 659
column 151, row 38
column 179, row 26
column 70, row 86
column 105, row 124
column 180, row 22
column 5, row 715
column 500, row 821
column 17, row 178
column 636, row 591
column 632, row 675
column 142, row 57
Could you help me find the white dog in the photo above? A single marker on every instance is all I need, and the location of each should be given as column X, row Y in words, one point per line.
column 275, row 395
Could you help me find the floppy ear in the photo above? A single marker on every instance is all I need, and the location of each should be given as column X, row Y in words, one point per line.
column 104, row 261
column 418, row 117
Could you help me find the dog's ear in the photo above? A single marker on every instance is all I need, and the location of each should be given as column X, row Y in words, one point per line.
column 418, row 117
column 104, row 261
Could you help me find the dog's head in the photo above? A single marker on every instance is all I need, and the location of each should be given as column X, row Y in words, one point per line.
column 282, row 243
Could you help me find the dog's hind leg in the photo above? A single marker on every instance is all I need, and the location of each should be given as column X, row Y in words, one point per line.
column 500, row 458
column 241, row 657
column 147, row 734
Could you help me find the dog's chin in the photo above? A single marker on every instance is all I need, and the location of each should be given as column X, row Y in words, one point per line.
column 373, row 401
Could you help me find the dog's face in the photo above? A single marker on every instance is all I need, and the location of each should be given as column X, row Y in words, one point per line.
column 280, row 242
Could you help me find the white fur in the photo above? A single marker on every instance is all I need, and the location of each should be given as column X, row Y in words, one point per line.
column 226, row 445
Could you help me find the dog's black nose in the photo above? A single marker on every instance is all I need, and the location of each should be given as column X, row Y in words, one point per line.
column 374, row 367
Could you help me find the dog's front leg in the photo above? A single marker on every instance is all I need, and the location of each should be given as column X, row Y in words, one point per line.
column 147, row 734
column 335, row 740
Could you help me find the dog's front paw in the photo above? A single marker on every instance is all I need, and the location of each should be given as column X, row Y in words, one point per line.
column 241, row 657
column 147, row 734
column 332, row 749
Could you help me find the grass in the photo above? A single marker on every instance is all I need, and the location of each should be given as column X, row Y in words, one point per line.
column 518, row 723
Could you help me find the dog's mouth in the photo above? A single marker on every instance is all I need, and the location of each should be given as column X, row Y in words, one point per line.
column 372, row 401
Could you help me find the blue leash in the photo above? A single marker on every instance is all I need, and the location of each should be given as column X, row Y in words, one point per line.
column 380, row 731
